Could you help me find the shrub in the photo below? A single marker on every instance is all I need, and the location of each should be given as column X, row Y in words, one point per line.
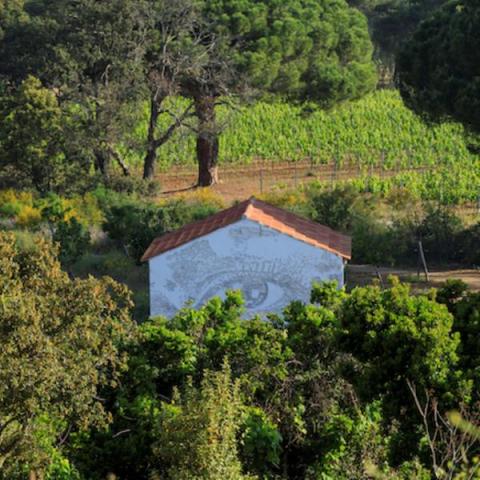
column 468, row 245
column 204, row 196
column 375, row 323
column 335, row 208
column 74, row 240
column 294, row 200
column 197, row 432
column 134, row 225
column 20, row 207
column 261, row 441
column 86, row 209
column 61, row 344
column 28, row 216
column 132, row 185
column 438, row 232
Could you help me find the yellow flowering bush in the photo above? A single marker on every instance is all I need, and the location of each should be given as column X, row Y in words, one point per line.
column 204, row 196
column 28, row 216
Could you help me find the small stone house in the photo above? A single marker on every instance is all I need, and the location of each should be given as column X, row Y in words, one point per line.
column 270, row 254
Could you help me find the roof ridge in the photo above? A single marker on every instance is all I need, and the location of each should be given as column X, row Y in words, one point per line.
column 300, row 217
column 319, row 235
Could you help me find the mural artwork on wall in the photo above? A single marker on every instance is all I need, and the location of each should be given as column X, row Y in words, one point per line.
column 198, row 272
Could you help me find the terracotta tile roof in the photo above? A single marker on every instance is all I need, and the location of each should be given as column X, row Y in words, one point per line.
column 276, row 218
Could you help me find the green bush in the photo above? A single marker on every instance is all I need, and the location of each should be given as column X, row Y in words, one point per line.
column 261, row 442
column 134, row 225
column 468, row 245
column 336, row 208
column 382, row 235
column 438, row 232
column 74, row 240
column 132, row 185
column 198, row 431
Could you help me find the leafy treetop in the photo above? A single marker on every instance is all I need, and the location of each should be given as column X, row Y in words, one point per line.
column 439, row 68
column 60, row 343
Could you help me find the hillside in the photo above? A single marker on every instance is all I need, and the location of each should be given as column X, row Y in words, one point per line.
column 374, row 130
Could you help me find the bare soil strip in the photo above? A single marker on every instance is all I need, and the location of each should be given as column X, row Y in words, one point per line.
column 357, row 275
column 240, row 182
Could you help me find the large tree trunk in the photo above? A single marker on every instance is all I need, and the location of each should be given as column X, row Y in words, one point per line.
column 101, row 162
column 35, row 475
column 151, row 156
column 149, row 164
column 207, row 141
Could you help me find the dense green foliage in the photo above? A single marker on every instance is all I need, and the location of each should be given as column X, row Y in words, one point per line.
column 101, row 57
column 308, row 50
column 438, row 69
column 384, row 233
column 61, row 342
column 133, row 225
column 317, row 392
column 198, row 431
column 89, row 54
column 320, row 51
column 392, row 22
column 352, row 385
column 35, row 159
column 385, row 222
column 323, row 388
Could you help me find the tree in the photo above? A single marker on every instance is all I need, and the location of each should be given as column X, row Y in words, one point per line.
column 438, row 69
column 31, row 138
column 375, row 323
column 304, row 50
column 198, row 431
column 391, row 23
column 10, row 11
column 323, row 386
column 174, row 50
column 133, row 225
column 91, row 54
column 61, row 342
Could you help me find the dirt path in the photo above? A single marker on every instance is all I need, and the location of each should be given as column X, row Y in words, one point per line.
column 242, row 181
column 365, row 274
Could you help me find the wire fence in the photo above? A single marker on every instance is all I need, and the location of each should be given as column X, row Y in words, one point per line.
column 263, row 176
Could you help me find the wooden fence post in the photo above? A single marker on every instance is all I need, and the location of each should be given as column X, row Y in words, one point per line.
column 424, row 262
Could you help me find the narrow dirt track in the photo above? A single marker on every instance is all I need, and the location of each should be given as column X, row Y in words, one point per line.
column 240, row 182
column 358, row 275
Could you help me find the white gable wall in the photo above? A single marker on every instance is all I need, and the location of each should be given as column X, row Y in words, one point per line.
column 271, row 269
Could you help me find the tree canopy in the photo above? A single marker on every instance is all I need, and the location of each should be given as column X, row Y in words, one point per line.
column 311, row 50
column 102, row 57
column 320, row 385
column 392, row 22
column 305, row 50
column 35, row 159
column 439, row 68
column 61, row 342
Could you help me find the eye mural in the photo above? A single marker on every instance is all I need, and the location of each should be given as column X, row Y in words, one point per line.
column 263, row 291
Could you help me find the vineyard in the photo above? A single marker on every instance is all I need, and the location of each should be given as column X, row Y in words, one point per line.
column 375, row 142
column 377, row 129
